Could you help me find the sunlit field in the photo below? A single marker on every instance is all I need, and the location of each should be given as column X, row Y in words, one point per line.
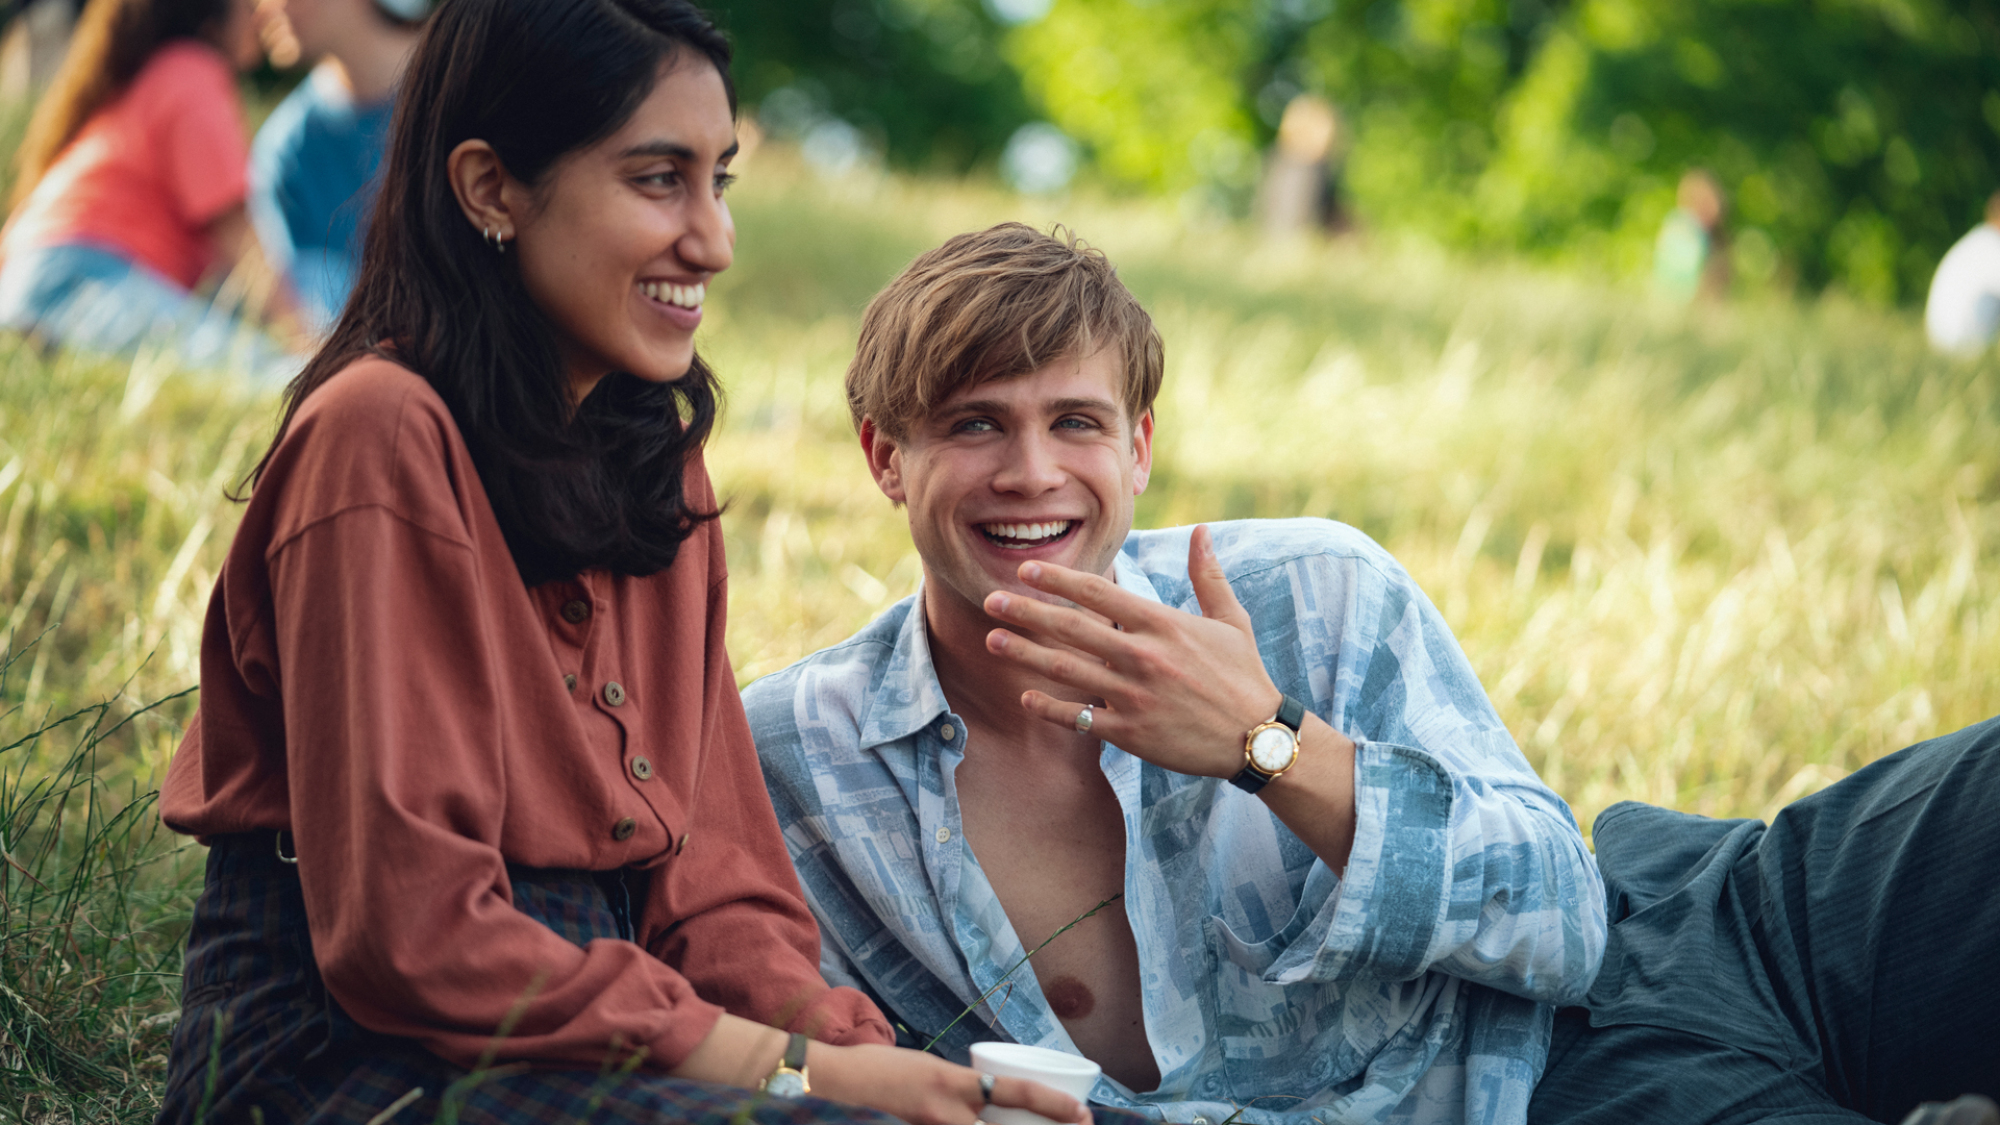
column 1714, row 557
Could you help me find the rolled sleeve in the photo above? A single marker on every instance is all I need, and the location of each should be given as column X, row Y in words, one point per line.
column 1453, row 875
column 1463, row 862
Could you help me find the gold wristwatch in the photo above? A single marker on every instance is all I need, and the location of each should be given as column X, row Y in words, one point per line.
column 1271, row 747
column 789, row 1080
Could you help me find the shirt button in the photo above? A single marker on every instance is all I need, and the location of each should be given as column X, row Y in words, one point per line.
column 641, row 768
column 947, row 732
column 944, row 835
column 623, row 830
column 576, row 611
column 569, row 682
column 614, row 694
column 1199, row 1121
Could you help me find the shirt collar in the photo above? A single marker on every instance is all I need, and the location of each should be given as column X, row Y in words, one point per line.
column 909, row 698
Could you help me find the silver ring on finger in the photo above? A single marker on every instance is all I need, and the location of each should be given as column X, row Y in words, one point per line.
column 1083, row 720
column 986, row 1088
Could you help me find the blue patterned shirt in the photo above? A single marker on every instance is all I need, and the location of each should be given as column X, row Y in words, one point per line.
column 1415, row 986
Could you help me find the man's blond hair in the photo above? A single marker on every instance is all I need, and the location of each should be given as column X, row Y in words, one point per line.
column 995, row 304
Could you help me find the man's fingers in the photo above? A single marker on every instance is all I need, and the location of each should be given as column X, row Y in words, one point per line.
column 1078, row 671
column 1211, row 585
column 1019, row 1093
column 1104, row 722
column 1072, row 627
column 1089, row 590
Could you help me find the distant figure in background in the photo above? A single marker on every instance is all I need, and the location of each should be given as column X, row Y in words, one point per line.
column 1691, row 256
column 131, row 185
column 1962, row 315
column 1302, row 178
column 314, row 165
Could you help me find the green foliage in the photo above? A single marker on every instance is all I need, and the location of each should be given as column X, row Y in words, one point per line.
column 923, row 78
column 1152, row 88
column 1858, row 138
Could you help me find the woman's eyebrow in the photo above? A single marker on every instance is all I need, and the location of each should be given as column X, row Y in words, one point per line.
column 673, row 150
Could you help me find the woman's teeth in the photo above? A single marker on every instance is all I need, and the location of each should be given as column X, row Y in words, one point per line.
column 686, row 296
column 1020, row 536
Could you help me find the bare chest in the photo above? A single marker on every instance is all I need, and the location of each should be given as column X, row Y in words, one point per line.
column 1050, row 838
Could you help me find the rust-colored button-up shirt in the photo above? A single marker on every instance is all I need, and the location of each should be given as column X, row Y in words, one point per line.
column 376, row 678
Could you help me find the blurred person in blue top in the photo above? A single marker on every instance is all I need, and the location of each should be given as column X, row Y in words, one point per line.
column 315, row 164
column 1690, row 256
column 1241, row 795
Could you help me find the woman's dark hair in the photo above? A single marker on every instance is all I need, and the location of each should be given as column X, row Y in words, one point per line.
column 112, row 41
column 596, row 484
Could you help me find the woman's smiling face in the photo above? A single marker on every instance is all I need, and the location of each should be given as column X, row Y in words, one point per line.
column 619, row 243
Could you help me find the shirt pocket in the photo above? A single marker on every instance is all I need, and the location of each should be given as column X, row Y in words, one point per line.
column 1277, row 1041
column 1286, row 1045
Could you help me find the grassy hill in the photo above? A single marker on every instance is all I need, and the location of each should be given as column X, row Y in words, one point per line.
column 1710, row 557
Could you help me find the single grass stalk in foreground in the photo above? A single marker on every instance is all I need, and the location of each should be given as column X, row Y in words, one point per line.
column 974, row 1006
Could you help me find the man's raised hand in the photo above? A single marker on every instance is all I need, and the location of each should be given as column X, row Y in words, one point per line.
column 1179, row 690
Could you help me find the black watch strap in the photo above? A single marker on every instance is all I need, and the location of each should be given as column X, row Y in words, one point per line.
column 795, row 1052
column 1291, row 713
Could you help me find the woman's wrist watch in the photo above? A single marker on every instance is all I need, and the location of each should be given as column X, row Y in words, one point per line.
column 1271, row 747
column 789, row 1080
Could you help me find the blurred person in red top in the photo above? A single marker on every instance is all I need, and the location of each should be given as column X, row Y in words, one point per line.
column 470, row 762
column 131, row 185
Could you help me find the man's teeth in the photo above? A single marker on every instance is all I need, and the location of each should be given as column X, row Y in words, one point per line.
column 686, row 296
column 1027, row 532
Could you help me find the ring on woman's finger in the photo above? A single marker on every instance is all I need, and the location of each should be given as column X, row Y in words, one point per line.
column 1083, row 719
column 986, row 1088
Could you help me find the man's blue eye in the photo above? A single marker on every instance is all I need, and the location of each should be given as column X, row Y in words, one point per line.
column 976, row 425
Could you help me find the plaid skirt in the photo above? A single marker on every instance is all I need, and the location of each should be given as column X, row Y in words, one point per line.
column 260, row 1042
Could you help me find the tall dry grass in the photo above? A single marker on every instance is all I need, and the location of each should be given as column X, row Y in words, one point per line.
column 1713, row 557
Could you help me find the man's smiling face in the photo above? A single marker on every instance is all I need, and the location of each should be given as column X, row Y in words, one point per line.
column 1042, row 466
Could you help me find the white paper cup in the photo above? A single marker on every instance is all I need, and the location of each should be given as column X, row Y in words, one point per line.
column 1072, row 1074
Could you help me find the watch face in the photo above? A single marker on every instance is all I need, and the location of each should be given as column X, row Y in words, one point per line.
column 786, row 1083
column 1272, row 749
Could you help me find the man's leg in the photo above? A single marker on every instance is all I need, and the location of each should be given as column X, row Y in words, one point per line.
column 1633, row 1074
column 1880, row 901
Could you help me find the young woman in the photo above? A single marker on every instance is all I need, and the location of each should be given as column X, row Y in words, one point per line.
column 487, row 830
column 131, row 187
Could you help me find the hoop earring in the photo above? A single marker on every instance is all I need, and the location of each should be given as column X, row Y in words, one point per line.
column 496, row 239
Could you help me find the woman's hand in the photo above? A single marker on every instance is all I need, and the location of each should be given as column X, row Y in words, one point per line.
column 919, row 1088
column 924, row 1089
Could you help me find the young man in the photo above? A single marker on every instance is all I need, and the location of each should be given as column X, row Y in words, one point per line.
column 1332, row 888
column 313, row 165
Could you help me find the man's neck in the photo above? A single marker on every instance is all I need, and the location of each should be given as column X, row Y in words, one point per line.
column 984, row 689
column 371, row 62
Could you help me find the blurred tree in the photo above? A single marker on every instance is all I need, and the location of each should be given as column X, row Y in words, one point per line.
column 924, row 80
column 1856, row 138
